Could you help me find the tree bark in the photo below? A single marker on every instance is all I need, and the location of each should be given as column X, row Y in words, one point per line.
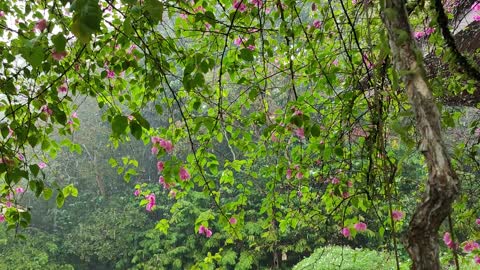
column 443, row 184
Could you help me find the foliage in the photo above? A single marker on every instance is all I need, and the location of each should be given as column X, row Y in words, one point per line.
column 38, row 250
column 287, row 117
column 345, row 258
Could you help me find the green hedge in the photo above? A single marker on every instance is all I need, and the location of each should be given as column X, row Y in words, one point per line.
column 345, row 258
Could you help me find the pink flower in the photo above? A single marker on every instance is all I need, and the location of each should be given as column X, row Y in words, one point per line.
column 367, row 61
column 360, row 226
column 208, row 26
column 335, row 181
column 289, row 173
column 154, row 150
column 238, row 41
column 345, row 232
column 239, row 5
column 345, row 194
column 257, row 3
column 161, row 180
column 202, row 229
column 300, row 133
column 151, row 201
column 2, row 218
column 131, row 49
column 476, row 18
column 166, row 145
column 62, row 89
column 296, row 111
column 447, row 239
column 110, row 74
column 397, row 215
column 19, row 190
column 200, row 9
column 418, row 34
column 156, row 139
column 59, row 55
column 136, row 192
column 349, row 184
column 232, row 221
column 8, row 204
column 2, row 14
column 184, row 175
column 476, row 259
column 470, row 246
column 208, row 233
column 429, row 31
column 172, row 193
column 335, row 62
column 46, row 110
column 74, row 115
column 476, row 6
column 183, row 16
column 21, row 157
column 251, row 47
column 317, row 24
column 477, row 221
column 299, row 175
column 160, row 166
column 41, row 25
column 42, row 165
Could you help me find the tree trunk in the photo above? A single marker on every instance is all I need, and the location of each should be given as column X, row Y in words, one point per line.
column 442, row 185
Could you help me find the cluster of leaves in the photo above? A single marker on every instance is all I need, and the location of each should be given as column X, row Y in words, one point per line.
column 275, row 127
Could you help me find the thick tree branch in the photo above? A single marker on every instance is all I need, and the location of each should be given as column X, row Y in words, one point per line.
column 443, row 183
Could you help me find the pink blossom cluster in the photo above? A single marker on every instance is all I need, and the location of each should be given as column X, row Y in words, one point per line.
column 447, row 239
column 159, row 142
column 470, row 246
column 239, row 5
column 360, row 226
column 397, row 215
column 205, row 231
column 151, row 201
column 476, row 8
column 298, row 175
column 421, row 34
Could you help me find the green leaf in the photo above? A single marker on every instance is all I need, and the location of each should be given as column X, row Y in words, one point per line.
column 87, row 16
column 60, row 199
column 136, row 130
column 119, row 124
column 315, row 131
column 142, row 121
column 246, row 54
column 34, row 169
column 162, row 226
column 59, row 41
column 34, row 55
column 47, row 193
column 154, row 9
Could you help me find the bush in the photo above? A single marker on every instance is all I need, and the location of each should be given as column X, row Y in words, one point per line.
column 345, row 258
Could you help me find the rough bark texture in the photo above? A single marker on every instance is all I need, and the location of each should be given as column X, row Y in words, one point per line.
column 442, row 185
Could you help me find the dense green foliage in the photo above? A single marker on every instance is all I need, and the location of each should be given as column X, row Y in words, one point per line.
column 216, row 135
